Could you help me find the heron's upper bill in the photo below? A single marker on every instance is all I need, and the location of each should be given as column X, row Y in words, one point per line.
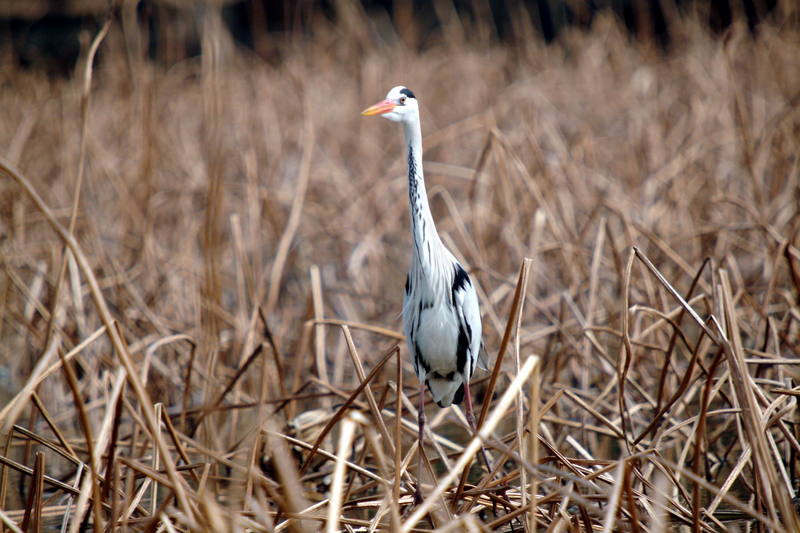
column 381, row 108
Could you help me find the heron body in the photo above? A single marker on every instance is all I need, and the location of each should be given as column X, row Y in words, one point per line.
column 441, row 316
column 441, row 337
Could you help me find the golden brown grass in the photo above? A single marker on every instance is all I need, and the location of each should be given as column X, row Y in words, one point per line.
column 218, row 349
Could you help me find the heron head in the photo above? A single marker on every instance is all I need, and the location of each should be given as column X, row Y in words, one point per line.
column 400, row 105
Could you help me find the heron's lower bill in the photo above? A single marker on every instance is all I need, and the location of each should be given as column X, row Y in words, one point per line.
column 382, row 107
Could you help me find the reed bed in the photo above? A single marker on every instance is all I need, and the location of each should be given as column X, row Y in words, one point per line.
column 203, row 263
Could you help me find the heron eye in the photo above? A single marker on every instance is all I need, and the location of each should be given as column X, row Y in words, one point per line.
column 403, row 99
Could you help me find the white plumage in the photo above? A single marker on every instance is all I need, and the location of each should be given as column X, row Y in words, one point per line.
column 441, row 317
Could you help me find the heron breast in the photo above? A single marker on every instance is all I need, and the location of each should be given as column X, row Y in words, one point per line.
column 436, row 335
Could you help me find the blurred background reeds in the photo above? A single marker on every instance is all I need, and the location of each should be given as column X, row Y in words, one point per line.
column 203, row 248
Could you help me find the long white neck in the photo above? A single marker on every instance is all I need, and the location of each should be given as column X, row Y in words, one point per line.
column 426, row 242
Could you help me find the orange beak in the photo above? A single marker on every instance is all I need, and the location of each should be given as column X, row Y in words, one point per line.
column 381, row 108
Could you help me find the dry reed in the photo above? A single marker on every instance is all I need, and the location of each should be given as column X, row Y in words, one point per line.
column 202, row 269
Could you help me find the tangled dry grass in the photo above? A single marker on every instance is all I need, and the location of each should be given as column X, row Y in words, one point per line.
column 219, row 348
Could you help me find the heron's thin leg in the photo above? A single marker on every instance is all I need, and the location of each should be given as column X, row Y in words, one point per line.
column 473, row 426
column 421, row 413
column 421, row 421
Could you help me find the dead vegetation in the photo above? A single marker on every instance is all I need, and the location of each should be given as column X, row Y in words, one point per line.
column 202, row 270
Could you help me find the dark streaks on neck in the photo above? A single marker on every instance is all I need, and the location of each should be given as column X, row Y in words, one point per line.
column 414, row 198
column 413, row 187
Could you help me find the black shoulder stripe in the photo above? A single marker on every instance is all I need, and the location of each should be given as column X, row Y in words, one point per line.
column 460, row 281
column 461, row 351
column 408, row 283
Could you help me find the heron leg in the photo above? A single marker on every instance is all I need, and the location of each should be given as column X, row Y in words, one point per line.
column 421, row 421
column 421, row 413
column 473, row 426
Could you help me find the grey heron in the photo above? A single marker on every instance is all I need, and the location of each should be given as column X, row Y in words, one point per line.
column 441, row 317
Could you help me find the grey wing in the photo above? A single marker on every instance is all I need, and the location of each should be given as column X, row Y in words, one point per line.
column 409, row 320
column 465, row 300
